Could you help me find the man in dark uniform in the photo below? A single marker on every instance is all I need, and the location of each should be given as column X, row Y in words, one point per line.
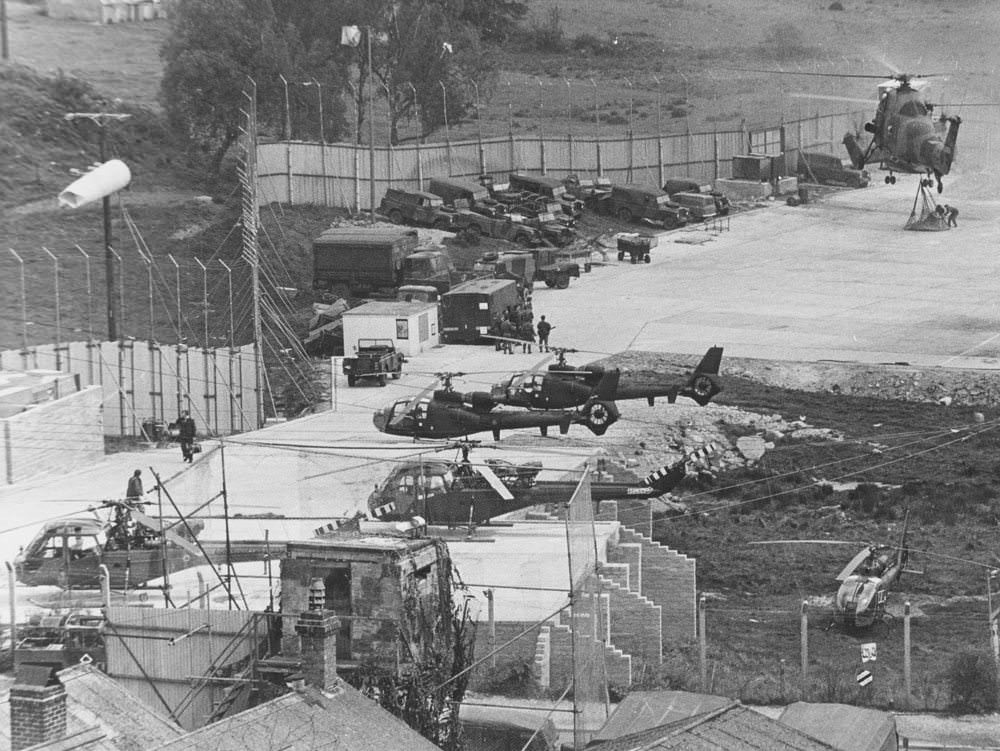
column 187, row 434
column 952, row 214
column 507, row 331
column 544, row 327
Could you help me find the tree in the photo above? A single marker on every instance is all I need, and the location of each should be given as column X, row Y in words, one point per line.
column 214, row 46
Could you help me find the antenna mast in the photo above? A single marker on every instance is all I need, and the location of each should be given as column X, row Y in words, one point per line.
column 247, row 171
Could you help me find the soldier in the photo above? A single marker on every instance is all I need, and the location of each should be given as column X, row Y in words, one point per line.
column 187, row 435
column 952, row 214
column 544, row 327
column 526, row 333
column 507, row 331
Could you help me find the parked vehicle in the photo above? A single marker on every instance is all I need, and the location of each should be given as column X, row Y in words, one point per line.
column 552, row 267
column 700, row 206
column 686, row 185
column 830, row 170
column 356, row 261
column 415, row 207
column 549, row 188
column 373, row 358
column 494, row 223
column 417, row 293
column 642, row 203
column 458, row 192
column 588, row 191
column 468, row 310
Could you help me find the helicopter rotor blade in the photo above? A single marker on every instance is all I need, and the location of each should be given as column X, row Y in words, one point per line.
column 175, row 538
column 807, row 542
column 495, row 482
column 859, row 100
column 854, row 563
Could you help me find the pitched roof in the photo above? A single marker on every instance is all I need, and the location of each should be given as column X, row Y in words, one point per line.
column 641, row 710
column 731, row 728
column 842, row 725
column 307, row 720
column 100, row 716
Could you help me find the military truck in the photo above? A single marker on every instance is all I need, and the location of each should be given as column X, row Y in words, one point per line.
column 494, row 223
column 549, row 188
column 360, row 261
column 642, row 203
column 416, row 207
column 373, row 358
column 534, row 265
column 469, row 309
column 455, row 191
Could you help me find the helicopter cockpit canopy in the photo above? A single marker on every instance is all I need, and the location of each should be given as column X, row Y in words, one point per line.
column 914, row 108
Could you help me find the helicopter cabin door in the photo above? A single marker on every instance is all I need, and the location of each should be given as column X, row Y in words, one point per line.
column 338, row 599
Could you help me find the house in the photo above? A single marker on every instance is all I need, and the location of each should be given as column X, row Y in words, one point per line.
column 729, row 728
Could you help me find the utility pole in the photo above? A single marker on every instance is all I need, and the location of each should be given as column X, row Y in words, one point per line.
column 371, row 127
column 100, row 119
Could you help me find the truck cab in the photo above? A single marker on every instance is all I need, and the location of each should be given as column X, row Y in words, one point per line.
column 643, row 203
column 430, row 268
column 415, row 207
column 373, row 358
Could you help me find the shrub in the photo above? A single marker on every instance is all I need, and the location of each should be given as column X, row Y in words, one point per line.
column 548, row 35
column 784, row 41
column 972, row 683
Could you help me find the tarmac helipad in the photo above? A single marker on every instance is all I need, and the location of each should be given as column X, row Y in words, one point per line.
column 837, row 279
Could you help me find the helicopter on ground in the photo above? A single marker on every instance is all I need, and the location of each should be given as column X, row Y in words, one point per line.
column 460, row 492
column 866, row 580
column 134, row 548
column 446, row 413
column 563, row 386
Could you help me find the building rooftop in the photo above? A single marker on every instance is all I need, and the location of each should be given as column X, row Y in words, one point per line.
column 641, row 710
column 390, row 308
column 843, row 726
column 306, row 720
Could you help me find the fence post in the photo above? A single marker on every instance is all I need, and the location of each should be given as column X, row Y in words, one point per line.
column 715, row 153
column 659, row 162
column 702, row 645
column 804, row 637
column 357, row 181
column 906, row 655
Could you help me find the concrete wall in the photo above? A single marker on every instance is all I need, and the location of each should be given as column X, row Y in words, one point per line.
column 52, row 436
column 636, row 624
column 668, row 579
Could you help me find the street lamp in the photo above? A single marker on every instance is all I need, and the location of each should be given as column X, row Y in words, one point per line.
column 444, row 106
column 101, row 182
column 416, row 110
column 288, row 119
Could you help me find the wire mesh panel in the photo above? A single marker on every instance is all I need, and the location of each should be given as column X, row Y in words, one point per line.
column 590, row 679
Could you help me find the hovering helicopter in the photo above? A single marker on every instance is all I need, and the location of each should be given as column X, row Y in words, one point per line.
column 905, row 137
column 865, row 581
column 563, row 386
column 446, row 413
column 460, row 492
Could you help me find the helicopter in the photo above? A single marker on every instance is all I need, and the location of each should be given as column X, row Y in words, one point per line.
column 905, row 136
column 460, row 492
column 69, row 552
column 446, row 413
column 563, row 386
column 134, row 548
column 865, row 582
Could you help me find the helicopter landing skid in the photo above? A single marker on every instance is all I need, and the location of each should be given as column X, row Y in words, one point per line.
column 926, row 215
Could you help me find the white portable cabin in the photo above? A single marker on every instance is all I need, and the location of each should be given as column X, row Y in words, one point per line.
column 412, row 326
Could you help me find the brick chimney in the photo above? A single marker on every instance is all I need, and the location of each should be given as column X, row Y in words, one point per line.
column 317, row 630
column 37, row 706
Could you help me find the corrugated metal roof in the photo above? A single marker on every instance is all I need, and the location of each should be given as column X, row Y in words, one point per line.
column 304, row 721
column 361, row 235
column 732, row 728
column 100, row 716
column 843, row 726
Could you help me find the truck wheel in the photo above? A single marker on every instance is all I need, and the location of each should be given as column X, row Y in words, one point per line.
column 562, row 281
column 646, row 258
column 381, row 379
column 395, row 376
column 396, row 216
column 351, row 380
column 621, row 255
column 624, row 214
column 587, row 267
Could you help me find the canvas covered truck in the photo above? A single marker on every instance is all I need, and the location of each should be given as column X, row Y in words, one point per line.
column 360, row 261
column 469, row 309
